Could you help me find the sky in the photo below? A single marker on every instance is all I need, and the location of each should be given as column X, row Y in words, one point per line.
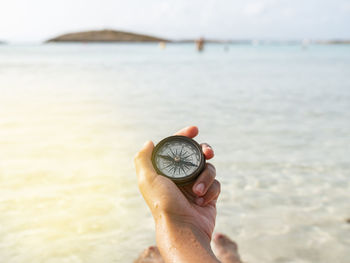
column 38, row 20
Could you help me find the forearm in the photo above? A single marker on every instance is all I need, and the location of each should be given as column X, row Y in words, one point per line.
column 183, row 243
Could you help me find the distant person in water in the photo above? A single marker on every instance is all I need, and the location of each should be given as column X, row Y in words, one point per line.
column 184, row 215
column 162, row 45
column 200, row 44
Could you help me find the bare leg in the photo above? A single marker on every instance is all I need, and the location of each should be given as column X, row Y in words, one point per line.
column 150, row 255
column 225, row 249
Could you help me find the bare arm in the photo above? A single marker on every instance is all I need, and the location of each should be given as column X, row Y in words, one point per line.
column 184, row 216
column 179, row 242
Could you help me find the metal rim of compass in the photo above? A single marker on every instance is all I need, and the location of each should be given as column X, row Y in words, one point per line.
column 185, row 179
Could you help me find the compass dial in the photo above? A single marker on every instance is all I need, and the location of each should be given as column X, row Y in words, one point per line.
column 178, row 158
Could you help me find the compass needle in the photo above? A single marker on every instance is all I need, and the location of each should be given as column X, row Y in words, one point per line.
column 189, row 155
column 166, row 157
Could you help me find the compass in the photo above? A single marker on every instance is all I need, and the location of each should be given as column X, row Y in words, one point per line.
column 179, row 158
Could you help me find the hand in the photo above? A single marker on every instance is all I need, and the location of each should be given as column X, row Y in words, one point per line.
column 193, row 204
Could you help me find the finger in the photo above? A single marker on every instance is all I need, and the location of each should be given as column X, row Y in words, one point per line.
column 143, row 163
column 190, row 132
column 207, row 151
column 205, row 180
column 211, row 195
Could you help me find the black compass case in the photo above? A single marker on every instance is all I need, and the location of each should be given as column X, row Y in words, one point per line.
column 185, row 179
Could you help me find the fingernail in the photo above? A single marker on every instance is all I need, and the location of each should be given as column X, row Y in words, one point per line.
column 200, row 201
column 219, row 235
column 200, row 188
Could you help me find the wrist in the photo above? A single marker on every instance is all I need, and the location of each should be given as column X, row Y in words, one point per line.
column 175, row 223
column 182, row 241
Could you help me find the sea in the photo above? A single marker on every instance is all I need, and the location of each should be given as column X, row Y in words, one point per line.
column 72, row 117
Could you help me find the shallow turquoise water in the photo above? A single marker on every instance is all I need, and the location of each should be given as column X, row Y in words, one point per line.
column 72, row 117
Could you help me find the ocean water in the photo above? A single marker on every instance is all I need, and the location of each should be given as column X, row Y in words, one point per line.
column 72, row 116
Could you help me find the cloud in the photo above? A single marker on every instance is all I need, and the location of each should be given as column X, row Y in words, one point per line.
column 254, row 9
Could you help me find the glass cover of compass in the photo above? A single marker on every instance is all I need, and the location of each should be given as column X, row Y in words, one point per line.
column 179, row 158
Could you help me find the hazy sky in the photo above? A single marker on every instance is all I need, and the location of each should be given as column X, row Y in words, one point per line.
column 37, row 20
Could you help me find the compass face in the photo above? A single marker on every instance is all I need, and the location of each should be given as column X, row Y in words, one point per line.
column 178, row 158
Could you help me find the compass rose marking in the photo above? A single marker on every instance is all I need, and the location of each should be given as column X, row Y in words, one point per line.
column 182, row 168
column 189, row 155
column 171, row 168
column 168, row 165
column 174, row 159
column 182, row 149
column 171, row 150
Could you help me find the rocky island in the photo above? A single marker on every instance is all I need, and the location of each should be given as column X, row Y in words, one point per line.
column 105, row 36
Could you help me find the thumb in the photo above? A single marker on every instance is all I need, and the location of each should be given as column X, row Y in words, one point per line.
column 143, row 163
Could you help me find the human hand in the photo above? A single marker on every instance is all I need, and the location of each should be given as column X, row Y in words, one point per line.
column 193, row 204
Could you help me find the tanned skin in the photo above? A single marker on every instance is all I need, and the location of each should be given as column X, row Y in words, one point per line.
column 184, row 216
